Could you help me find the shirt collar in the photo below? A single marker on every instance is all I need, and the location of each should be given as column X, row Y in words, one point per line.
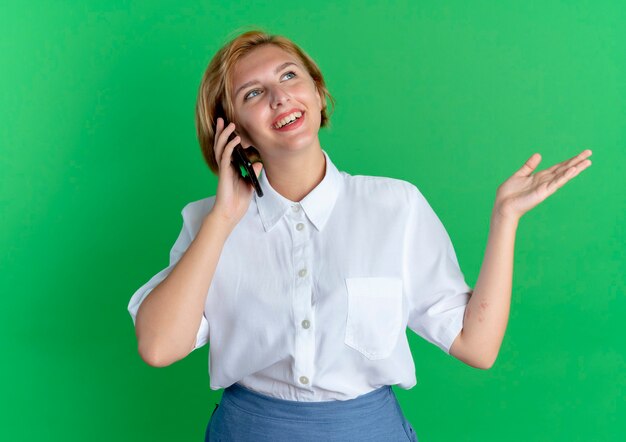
column 317, row 205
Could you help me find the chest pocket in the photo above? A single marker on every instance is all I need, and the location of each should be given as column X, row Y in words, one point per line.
column 374, row 317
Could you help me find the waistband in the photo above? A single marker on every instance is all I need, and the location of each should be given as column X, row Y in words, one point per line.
column 334, row 410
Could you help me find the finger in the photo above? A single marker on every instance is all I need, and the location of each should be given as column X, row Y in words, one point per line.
column 228, row 151
column 222, row 139
column 219, row 125
column 227, row 131
column 560, row 180
column 563, row 165
column 554, row 167
column 566, row 175
column 572, row 161
column 258, row 166
column 580, row 167
column 530, row 165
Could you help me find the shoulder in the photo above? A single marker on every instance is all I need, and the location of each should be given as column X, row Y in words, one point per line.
column 381, row 190
column 194, row 212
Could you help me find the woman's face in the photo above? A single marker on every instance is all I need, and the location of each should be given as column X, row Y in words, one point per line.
column 269, row 84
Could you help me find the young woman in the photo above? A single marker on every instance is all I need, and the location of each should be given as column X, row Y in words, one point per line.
column 306, row 292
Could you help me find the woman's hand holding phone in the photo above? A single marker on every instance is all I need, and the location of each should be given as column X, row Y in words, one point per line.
column 233, row 193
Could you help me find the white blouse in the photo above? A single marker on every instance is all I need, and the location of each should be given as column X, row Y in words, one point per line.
column 310, row 300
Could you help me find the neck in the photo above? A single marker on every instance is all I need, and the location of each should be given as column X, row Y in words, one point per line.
column 295, row 176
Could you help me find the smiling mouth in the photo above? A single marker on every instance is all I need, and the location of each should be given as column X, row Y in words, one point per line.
column 288, row 120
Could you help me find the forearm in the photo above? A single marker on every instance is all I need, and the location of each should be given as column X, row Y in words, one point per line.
column 169, row 318
column 487, row 313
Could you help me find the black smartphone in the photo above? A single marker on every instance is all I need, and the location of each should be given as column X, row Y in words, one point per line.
column 242, row 164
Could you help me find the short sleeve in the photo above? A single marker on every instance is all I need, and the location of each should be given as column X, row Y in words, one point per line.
column 434, row 284
column 178, row 249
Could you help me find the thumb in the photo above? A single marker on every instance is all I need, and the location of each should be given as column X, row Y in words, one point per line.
column 258, row 166
column 530, row 165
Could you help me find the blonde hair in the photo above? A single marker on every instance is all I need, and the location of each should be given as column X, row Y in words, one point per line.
column 214, row 94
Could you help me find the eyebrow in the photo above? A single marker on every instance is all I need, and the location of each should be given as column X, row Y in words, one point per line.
column 250, row 83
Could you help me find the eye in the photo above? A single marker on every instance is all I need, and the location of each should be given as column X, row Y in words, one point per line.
column 248, row 95
column 254, row 92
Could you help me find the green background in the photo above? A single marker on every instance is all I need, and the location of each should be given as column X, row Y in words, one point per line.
column 99, row 155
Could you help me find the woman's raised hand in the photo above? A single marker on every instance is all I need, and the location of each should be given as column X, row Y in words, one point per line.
column 523, row 191
column 233, row 193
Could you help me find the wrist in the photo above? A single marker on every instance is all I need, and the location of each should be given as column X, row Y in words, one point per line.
column 218, row 223
column 501, row 215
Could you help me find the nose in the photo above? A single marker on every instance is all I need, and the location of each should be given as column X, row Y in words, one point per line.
column 278, row 96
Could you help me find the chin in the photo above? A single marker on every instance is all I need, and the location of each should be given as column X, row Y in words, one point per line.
column 301, row 142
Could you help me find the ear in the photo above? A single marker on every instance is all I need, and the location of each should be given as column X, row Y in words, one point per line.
column 245, row 138
column 321, row 100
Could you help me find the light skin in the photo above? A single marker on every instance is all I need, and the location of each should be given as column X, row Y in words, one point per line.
column 294, row 165
column 487, row 312
column 294, row 162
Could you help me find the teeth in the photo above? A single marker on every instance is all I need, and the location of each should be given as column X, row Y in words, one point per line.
column 289, row 118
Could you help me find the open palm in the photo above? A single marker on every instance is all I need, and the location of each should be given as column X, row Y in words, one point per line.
column 524, row 190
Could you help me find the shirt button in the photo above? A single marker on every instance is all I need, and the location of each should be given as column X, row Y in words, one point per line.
column 302, row 273
column 300, row 226
column 304, row 380
column 306, row 323
column 295, row 208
